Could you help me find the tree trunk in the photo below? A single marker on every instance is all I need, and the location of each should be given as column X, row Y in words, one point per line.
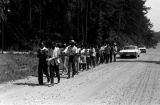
column 30, row 13
column 40, row 22
column 86, row 37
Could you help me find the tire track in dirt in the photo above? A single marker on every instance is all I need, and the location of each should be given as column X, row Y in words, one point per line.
column 144, row 86
column 136, row 98
column 151, row 88
column 105, row 86
column 153, row 84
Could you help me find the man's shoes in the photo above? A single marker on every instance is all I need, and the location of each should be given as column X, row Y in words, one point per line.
column 41, row 84
column 52, row 84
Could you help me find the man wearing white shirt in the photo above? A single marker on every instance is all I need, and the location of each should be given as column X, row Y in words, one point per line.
column 71, row 52
column 54, row 62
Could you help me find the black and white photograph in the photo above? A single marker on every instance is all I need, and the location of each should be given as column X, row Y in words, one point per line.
column 79, row 52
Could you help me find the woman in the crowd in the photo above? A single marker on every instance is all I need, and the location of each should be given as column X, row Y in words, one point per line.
column 83, row 58
column 64, row 59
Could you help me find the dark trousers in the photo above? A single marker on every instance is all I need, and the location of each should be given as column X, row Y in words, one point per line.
column 93, row 61
column 42, row 68
column 71, row 64
column 107, row 58
column 83, row 66
column 54, row 70
column 111, row 57
column 101, row 58
column 97, row 58
column 114, row 55
column 88, row 62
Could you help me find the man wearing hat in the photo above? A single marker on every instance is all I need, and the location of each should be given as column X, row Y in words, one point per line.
column 71, row 52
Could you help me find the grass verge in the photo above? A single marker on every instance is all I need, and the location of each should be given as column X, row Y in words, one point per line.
column 17, row 66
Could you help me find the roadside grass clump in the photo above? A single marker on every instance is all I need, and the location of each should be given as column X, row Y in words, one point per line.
column 22, row 65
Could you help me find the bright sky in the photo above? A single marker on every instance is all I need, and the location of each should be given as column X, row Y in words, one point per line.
column 154, row 13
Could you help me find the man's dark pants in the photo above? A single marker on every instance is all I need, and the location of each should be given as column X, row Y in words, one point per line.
column 93, row 60
column 102, row 58
column 54, row 70
column 71, row 63
column 107, row 58
column 88, row 60
column 114, row 57
column 111, row 57
column 42, row 68
column 97, row 58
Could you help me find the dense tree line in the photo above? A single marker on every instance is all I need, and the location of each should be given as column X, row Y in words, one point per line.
column 86, row 21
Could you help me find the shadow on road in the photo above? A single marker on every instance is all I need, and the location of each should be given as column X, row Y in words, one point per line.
column 132, row 57
column 33, row 84
column 29, row 84
column 142, row 61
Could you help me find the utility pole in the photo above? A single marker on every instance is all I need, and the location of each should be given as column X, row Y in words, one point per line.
column 30, row 13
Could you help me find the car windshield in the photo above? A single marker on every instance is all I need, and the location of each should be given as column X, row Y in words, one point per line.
column 129, row 48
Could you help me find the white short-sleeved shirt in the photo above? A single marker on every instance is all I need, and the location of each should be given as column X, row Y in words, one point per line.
column 54, row 55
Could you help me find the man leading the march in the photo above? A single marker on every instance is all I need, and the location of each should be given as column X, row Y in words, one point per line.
column 42, row 54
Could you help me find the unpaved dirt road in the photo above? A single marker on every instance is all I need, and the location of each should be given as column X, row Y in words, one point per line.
column 125, row 82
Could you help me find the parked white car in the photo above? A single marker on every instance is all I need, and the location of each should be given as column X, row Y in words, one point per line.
column 130, row 51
